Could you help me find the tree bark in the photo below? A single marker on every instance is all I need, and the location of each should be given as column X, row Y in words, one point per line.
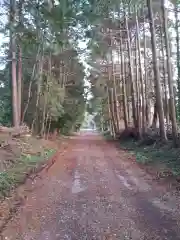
column 123, row 77
column 131, row 72
column 165, row 83
column 115, row 101
column 169, row 70
column 138, row 99
column 156, row 73
column 142, row 95
column 46, row 91
column 146, row 79
column 178, row 55
column 13, row 63
column 19, row 81
column 39, row 83
column 110, row 114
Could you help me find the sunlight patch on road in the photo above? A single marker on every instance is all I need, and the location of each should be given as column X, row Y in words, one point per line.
column 77, row 186
column 158, row 203
column 140, row 183
column 124, row 181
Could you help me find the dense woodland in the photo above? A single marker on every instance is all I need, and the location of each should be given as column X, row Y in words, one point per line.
column 133, row 58
column 136, row 69
column 42, row 83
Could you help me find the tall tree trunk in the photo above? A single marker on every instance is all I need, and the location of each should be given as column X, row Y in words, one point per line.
column 112, row 111
column 30, row 85
column 131, row 71
column 156, row 73
column 142, row 95
column 146, row 80
column 49, row 78
column 123, row 79
column 155, row 116
column 111, row 103
column 126, row 76
column 49, row 126
column 169, row 70
column 19, row 80
column 110, row 115
column 35, row 124
column 46, row 125
column 115, row 101
column 165, row 83
column 13, row 62
column 178, row 55
column 138, row 99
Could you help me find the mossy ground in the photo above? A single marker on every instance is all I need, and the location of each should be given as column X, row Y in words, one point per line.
column 25, row 165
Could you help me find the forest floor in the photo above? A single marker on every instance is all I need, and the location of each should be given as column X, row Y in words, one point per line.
column 21, row 159
column 95, row 190
column 160, row 158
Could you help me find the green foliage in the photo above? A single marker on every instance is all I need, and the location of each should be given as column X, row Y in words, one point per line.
column 5, row 98
column 16, row 175
column 44, row 32
column 141, row 158
column 164, row 155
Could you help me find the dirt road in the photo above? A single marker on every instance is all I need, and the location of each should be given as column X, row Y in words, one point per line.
column 95, row 191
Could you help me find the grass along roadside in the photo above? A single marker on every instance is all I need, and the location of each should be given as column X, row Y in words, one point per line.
column 26, row 165
column 163, row 157
column 36, row 155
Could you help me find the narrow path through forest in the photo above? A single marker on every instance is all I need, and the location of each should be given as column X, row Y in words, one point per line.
column 95, row 191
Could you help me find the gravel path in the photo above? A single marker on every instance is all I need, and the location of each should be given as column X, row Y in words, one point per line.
column 95, row 191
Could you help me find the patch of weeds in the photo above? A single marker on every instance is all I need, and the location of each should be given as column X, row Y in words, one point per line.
column 164, row 155
column 142, row 158
column 16, row 175
column 107, row 135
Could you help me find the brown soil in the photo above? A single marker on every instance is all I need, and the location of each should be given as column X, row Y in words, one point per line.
column 12, row 148
column 95, row 191
column 9, row 157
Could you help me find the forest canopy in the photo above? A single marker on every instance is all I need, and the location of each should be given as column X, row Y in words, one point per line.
column 131, row 60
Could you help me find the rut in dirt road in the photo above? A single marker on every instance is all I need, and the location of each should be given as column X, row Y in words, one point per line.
column 94, row 191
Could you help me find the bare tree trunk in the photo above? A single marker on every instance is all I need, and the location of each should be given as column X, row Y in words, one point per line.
column 165, row 83
column 49, row 126
column 30, row 86
column 13, row 63
column 131, row 72
column 109, row 111
column 123, row 77
column 115, row 101
column 170, row 78
column 156, row 73
column 19, row 81
column 138, row 99
column 155, row 116
column 178, row 54
column 142, row 95
column 146, row 79
column 44, row 113
column 126, row 76
column 40, row 70
column 111, row 104
column 46, row 97
column 45, row 127
column 112, row 111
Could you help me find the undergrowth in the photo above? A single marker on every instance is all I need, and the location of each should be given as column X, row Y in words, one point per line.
column 107, row 135
column 16, row 175
column 155, row 154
